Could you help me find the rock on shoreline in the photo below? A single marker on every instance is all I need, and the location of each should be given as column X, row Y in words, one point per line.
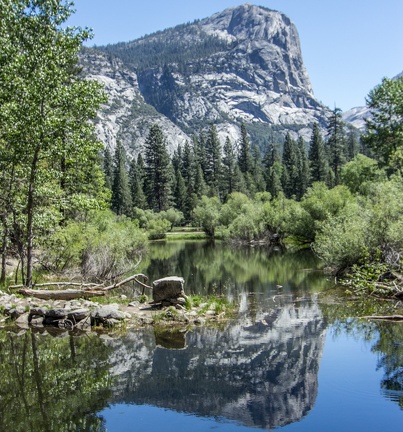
column 86, row 315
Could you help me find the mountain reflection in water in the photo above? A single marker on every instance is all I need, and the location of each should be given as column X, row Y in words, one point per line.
column 261, row 372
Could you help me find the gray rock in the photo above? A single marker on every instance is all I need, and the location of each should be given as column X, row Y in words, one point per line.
column 56, row 313
column 78, row 314
column 22, row 320
column 106, row 313
column 112, row 322
column 16, row 312
column 181, row 300
column 37, row 311
column 168, row 288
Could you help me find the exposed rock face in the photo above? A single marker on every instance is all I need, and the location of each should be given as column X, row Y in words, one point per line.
column 126, row 116
column 357, row 116
column 241, row 65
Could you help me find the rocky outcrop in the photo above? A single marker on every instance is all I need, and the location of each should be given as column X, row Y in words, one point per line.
column 240, row 65
column 126, row 117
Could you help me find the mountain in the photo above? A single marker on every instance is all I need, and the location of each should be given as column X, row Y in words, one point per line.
column 356, row 117
column 240, row 65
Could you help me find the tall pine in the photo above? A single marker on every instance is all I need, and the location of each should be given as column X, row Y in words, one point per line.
column 121, row 194
column 136, row 179
column 108, row 168
column 303, row 169
column 158, row 172
column 213, row 161
column 290, row 174
column 336, row 143
column 317, row 157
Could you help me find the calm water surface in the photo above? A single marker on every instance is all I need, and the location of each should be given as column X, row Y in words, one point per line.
column 287, row 362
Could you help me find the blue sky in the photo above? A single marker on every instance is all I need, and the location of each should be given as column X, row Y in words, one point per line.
column 348, row 46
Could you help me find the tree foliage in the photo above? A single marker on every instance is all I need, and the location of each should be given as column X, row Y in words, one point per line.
column 385, row 125
column 49, row 157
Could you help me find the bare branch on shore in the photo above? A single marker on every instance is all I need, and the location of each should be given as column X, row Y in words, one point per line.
column 88, row 290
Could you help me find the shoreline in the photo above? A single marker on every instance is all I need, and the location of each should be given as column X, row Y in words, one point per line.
column 90, row 316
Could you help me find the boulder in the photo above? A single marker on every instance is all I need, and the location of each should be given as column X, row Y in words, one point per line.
column 78, row 314
column 107, row 315
column 168, row 288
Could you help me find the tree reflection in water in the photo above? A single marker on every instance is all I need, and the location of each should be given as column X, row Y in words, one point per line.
column 52, row 384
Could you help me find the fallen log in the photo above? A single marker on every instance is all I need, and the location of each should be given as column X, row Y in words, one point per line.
column 59, row 294
column 71, row 294
column 46, row 284
column 384, row 317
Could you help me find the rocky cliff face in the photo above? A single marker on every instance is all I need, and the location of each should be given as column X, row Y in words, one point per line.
column 240, row 65
column 126, row 116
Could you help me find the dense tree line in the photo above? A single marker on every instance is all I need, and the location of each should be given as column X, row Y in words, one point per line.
column 171, row 46
column 208, row 167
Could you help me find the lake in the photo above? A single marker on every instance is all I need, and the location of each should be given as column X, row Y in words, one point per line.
column 292, row 359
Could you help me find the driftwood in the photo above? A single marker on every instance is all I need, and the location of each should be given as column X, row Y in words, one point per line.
column 89, row 290
column 59, row 294
column 46, row 284
column 384, row 317
column 134, row 277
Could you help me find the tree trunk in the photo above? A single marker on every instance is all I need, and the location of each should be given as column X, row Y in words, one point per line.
column 30, row 217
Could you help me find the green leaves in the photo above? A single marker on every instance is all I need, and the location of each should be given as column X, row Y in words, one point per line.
column 45, row 132
column 385, row 126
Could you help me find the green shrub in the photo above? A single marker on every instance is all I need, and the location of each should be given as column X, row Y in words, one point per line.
column 100, row 247
column 158, row 228
column 343, row 240
column 207, row 215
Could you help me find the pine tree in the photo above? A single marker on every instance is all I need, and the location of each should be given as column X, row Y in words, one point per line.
column 290, row 174
column 180, row 192
column 213, row 159
column 121, row 194
column 317, row 157
column 200, row 186
column 271, row 156
column 303, row 169
column 136, row 180
column 108, row 168
column 244, row 154
column 258, row 170
column 336, row 143
column 177, row 159
column 229, row 163
column 200, row 152
column 274, row 179
column 353, row 142
column 187, row 164
column 158, row 171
